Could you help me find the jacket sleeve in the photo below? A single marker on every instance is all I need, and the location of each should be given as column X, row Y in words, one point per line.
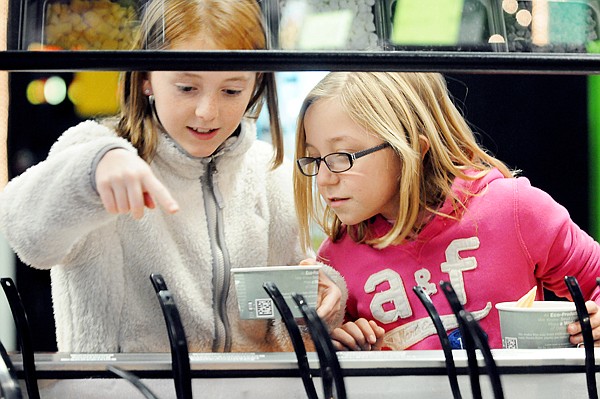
column 556, row 245
column 45, row 211
column 338, row 279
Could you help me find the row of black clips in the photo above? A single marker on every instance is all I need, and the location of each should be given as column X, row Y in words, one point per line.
column 9, row 383
column 333, row 385
column 331, row 374
column 473, row 338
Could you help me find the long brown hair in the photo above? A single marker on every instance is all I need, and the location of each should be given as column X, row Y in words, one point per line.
column 230, row 25
column 400, row 108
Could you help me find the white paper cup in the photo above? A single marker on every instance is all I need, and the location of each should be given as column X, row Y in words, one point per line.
column 255, row 303
column 542, row 326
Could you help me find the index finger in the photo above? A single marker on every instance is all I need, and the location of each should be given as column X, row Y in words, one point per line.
column 159, row 193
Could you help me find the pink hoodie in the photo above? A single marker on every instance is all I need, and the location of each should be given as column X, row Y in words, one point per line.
column 511, row 237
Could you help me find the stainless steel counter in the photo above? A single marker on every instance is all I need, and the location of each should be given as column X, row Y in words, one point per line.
column 527, row 374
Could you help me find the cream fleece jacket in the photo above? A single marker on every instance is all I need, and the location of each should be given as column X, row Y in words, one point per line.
column 100, row 263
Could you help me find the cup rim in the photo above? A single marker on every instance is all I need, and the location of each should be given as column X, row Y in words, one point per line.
column 538, row 306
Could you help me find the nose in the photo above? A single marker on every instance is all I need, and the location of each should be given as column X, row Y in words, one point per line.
column 325, row 177
column 207, row 108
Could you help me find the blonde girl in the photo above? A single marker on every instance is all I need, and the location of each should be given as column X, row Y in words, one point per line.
column 391, row 171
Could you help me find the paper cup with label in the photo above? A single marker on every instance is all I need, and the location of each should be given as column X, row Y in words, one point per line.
column 255, row 303
column 541, row 326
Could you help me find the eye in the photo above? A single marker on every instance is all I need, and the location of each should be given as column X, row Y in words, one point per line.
column 232, row 92
column 184, row 88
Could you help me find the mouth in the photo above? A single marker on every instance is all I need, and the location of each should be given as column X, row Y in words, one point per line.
column 203, row 133
column 199, row 130
column 336, row 201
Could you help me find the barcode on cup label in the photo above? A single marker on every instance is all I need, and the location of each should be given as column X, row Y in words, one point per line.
column 264, row 308
column 511, row 343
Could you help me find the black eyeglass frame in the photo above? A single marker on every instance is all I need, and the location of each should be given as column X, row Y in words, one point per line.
column 352, row 156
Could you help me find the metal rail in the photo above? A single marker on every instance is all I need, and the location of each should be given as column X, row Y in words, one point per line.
column 275, row 60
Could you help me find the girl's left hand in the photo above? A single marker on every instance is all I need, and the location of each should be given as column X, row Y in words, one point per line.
column 329, row 297
column 359, row 335
column 575, row 328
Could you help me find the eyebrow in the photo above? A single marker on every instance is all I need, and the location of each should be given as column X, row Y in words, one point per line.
column 242, row 79
column 333, row 140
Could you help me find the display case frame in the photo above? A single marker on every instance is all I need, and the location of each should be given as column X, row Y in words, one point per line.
column 496, row 59
column 279, row 60
column 540, row 369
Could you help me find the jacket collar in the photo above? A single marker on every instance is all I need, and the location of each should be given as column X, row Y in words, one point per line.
column 171, row 155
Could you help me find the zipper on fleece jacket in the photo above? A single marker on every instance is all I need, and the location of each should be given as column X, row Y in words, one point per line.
column 213, row 204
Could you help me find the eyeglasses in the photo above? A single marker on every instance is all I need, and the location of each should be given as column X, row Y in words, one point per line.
column 337, row 162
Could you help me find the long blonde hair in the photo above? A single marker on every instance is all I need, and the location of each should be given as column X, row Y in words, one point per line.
column 230, row 25
column 399, row 108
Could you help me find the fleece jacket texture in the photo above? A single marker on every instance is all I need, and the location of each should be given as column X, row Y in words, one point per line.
column 510, row 237
column 100, row 263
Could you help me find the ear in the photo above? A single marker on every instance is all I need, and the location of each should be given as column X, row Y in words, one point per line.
column 424, row 144
column 147, row 87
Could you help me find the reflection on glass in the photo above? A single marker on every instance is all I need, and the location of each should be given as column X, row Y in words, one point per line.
column 85, row 25
column 510, row 6
column 552, row 26
column 337, row 25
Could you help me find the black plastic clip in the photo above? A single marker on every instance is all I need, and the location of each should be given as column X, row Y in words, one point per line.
column 467, row 339
column 331, row 372
column 134, row 380
column 443, row 336
column 481, row 341
column 586, row 331
column 295, row 336
column 179, row 347
column 474, row 337
column 24, row 334
column 9, row 384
